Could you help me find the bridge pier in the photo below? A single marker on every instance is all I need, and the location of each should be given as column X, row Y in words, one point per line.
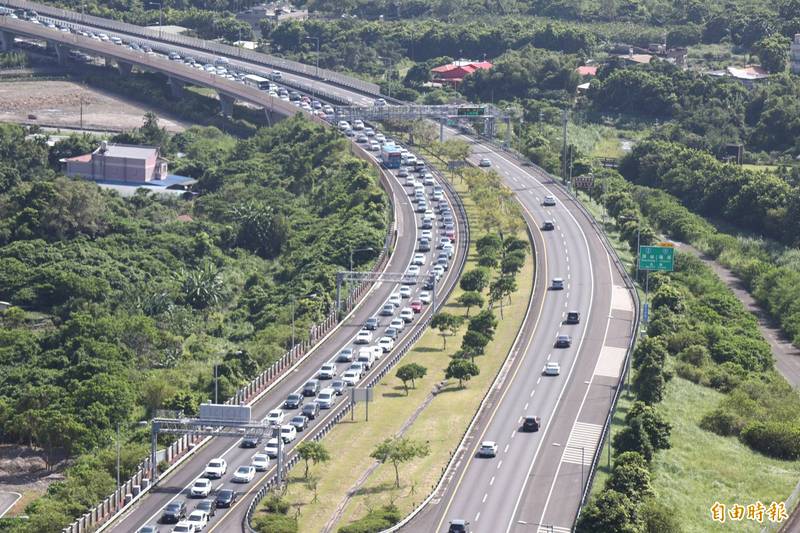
column 226, row 102
column 124, row 68
column 176, row 88
column 6, row 41
column 61, row 52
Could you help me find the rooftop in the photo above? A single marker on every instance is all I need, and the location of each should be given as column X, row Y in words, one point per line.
column 587, row 70
column 748, row 72
column 130, row 151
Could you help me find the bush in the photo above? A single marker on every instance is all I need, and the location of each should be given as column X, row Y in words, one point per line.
column 776, row 439
column 376, row 520
column 658, row 518
column 275, row 523
column 722, row 422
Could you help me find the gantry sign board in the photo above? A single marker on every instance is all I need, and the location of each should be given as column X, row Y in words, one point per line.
column 657, row 258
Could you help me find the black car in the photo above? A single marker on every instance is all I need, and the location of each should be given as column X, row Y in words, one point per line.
column 573, row 317
column 311, row 410
column 250, row 441
column 531, row 423
column 548, row 225
column 311, row 388
column 209, row 506
column 429, row 282
column 458, row 526
column 174, row 512
column 299, row 422
column 391, row 333
column 372, row 323
column 225, row 498
column 293, row 401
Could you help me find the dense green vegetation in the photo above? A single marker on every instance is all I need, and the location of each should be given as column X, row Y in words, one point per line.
column 700, row 331
column 122, row 306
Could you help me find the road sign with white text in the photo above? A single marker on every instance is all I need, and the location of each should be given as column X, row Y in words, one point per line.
column 656, row 258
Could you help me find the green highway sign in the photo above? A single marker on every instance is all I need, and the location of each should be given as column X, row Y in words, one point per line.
column 471, row 111
column 656, row 258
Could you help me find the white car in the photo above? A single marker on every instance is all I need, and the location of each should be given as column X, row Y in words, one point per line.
column 344, row 125
column 199, row 519
column 351, row 377
column 407, row 314
column 380, row 137
column 216, row 468
column 425, row 297
column 288, row 433
column 488, row 449
column 363, row 337
column 398, row 323
column 275, row 416
column 377, row 351
column 426, row 234
column 184, row 527
column 438, row 271
column 260, row 462
column 327, row 371
column 201, row 488
column 395, row 299
column 449, row 249
column 358, row 125
column 386, row 343
column 244, row 474
column 419, row 260
column 549, row 200
column 552, row 369
column 405, row 291
column 413, row 270
column 271, row 449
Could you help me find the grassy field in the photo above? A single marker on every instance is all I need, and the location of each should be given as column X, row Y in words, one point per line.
column 441, row 423
column 597, row 140
column 702, row 467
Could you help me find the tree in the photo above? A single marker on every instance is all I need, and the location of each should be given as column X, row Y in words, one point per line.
column 658, row 518
column 610, row 511
column 447, row 324
column 474, row 280
column 772, row 50
column 411, row 372
column 649, row 382
column 658, row 430
column 474, row 343
column 500, row 289
column 312, row 451
column 462, row 370
column 203, row 287
column 399, row 450
column 630, row 476
column 650, row 347
column 512, row 262
column 634, row 438
column 484, row 322
column 470, row 299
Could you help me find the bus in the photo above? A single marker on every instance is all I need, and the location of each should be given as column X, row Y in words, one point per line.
column 390, row 156
column 257, row 81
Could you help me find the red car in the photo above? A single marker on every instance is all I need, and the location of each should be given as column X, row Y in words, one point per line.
column 416, row 305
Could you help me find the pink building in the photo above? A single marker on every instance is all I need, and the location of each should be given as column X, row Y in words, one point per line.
column 120, row 163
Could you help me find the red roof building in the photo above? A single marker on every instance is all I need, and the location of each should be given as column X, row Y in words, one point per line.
column 587, row 70
column 454, row 73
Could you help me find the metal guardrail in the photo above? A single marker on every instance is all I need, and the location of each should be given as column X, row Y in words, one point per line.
column 328, row 76
column 463, row 242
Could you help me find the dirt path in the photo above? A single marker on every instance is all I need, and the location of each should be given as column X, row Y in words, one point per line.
column 59, row 103
column 787, row 356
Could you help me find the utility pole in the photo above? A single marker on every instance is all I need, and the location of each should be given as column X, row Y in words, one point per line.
column 81, row 112
column 118, row 454
column 564, row 118
column 216, row 384
column 293, row 306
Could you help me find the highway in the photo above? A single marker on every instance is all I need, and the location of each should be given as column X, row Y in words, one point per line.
column 536, row 480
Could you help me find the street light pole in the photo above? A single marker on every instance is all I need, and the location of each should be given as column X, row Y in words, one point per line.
column 293, row 308
column 216, row 384
column 117, row 454
column 316, row 67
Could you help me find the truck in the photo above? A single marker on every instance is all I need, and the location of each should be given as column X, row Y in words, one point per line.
column 390, row 156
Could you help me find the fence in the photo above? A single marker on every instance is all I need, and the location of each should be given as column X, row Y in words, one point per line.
column 328, row 76
column 139, row 483
column 397, row 355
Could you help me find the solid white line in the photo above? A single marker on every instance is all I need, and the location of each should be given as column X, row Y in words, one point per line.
column 7, row 509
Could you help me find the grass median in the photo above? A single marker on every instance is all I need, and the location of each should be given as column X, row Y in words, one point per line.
column 440, row 420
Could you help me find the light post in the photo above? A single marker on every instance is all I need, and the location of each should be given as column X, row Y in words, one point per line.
column 316, row 65
column 216, row 384
column 118, row 454
column 389, row 69
column 160, row 14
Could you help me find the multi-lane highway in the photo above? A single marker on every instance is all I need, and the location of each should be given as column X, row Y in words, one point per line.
column 177, row 486
column 535, row 481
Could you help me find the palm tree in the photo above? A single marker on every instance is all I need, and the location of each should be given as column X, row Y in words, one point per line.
column 203, row 287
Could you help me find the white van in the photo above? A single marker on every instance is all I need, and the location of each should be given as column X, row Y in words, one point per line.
column 326, row 398
column 366, row 357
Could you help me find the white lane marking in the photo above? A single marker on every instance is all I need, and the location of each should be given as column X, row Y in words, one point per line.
column 477, row 516
column 491, row 481
column 526, row 406
column 538, row 380
column 582, row 443
column 499, row 465
column 506, row 450
column 485, row 495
